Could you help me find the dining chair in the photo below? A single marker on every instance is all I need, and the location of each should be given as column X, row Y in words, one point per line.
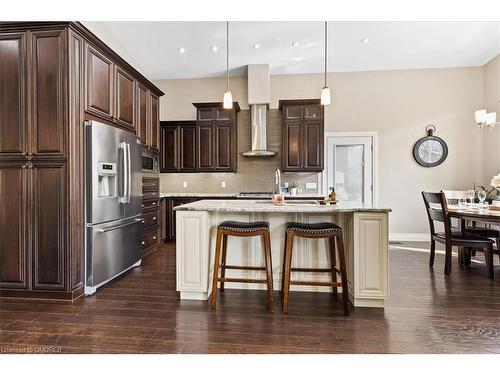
column 450, row 237
column 455, row 195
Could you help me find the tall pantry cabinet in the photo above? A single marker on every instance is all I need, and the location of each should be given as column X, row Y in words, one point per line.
column 43, row 92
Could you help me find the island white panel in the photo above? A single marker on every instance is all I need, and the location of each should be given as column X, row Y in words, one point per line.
column 192, row 252
column 371, row 259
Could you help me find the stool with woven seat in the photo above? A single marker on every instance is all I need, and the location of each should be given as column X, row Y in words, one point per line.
column 241, row 229
column 329, row 231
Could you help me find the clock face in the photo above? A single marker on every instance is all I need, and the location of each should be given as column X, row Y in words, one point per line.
column 430, row 151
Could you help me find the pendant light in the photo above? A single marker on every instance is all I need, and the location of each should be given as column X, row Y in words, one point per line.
column 228, row 97
column 325, row 92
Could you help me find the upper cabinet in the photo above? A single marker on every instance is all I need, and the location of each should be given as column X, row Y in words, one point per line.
column 99, row 84
column 303, row 135
column 115, row 95
column 142, row 112
column 12, row 94
column 178, row 146
column 154, row 124
column 125, row 98
column 216, row 144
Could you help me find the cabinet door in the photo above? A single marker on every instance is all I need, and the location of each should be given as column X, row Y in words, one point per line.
column 224, row 153
column 169, row 149
column 313, row 146
column 142, row 113
column 204, row 139
column 49, row 93
column 12, row 94
column 155, row 121
column 313, row 111
column 292, row 155
column 187, row 148
column 293, row 112
column 48, row 227
column 171, row 218
column 99, row 84
column 13, row 227
column 125, row 99
column 163, row 219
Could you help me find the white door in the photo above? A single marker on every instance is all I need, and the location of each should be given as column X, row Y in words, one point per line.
column 349, row 168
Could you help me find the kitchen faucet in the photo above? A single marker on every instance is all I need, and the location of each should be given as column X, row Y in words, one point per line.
column 277, row 181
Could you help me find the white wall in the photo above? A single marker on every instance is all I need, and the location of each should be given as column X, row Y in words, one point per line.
column 396, row 104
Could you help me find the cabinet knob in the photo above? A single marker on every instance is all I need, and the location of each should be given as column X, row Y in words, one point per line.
column 143, row 242
column 23, row 166
column 154, row 218
column 154, row 203
column 142, row 205
column 154, row 184
column 154, row 237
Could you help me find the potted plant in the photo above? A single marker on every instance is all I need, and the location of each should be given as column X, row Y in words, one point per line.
column 292, row 188
column 493, row 193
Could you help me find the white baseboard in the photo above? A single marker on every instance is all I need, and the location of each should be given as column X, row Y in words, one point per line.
column 409, row 237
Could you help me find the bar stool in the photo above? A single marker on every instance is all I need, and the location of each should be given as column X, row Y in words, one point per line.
column 241, row 229
column 316, row 230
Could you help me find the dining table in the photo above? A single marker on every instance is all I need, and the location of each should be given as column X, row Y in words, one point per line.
column 474, row 213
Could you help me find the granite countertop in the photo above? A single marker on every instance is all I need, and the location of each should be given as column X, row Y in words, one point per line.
column 268, row 206
column 231, row 195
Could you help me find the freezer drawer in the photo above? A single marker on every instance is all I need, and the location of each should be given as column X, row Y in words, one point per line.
column 112, row 248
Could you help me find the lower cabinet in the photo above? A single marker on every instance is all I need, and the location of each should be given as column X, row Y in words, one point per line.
column 33, row 226
column 163, row 219
column 151, row 214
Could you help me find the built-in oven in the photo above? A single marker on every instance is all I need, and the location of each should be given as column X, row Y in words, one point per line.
column 149, row 161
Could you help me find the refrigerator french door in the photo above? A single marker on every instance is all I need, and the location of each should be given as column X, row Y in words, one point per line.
column 113, row 203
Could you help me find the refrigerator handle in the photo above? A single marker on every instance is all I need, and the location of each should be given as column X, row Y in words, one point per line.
column 129, row 173
column 123, row 147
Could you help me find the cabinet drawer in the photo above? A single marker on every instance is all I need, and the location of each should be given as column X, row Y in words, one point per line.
column 150, row 238
column 148, row 204
column 150, row 195
column 150, row 219
column 151, row 185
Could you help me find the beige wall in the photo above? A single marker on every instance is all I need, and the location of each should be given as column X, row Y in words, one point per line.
column 396, row 104
column 491, row 139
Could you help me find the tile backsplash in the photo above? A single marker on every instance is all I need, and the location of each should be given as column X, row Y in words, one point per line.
column 253, row 174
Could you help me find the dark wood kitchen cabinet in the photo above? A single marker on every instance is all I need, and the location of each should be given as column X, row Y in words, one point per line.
column 303, row 135
column 216, row 143
column 125, row 98
column 178, row 146
column 54, row 76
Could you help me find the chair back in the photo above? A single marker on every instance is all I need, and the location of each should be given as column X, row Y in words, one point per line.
column 455, row 195
column 439, row 213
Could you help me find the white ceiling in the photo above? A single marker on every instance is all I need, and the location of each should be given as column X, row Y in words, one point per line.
column 392, row 45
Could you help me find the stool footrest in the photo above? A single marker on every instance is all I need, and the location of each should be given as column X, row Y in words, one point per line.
column 316, row 283
column 236, row 280
column 311, row 269
column 243, row 268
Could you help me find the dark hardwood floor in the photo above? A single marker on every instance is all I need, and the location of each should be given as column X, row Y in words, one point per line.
column 141, row 313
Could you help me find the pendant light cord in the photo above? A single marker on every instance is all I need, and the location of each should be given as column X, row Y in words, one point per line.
column 326, row 48
column 227, row 54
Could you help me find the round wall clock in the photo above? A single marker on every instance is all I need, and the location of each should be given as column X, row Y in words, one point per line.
column 430, row 150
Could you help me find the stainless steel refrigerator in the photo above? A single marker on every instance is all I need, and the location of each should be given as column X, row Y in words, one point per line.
column 113, row 203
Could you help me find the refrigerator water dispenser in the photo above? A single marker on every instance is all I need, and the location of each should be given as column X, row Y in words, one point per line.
column 106, row 180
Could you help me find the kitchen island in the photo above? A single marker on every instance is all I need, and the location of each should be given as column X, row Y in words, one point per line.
column 365, row 240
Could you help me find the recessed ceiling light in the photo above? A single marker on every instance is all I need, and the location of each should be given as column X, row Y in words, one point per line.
column 364, row 40
column 295, row 44
column 214, row 48
column 256, row 45
column 182, row 50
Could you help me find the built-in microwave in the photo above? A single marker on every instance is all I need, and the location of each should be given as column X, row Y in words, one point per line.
column 149, row 161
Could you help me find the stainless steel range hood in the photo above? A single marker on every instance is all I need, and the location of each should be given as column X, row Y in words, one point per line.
column 258, row 100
